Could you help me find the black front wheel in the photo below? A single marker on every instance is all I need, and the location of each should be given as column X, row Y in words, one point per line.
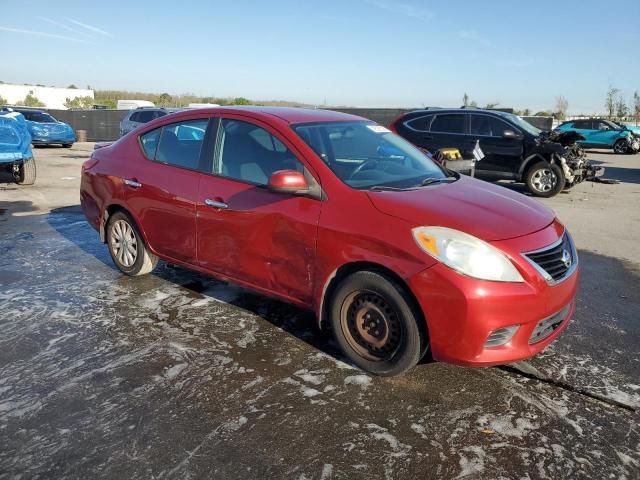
column 621, row 146
column 67, row 145
column 545, row 180
column 377, row 324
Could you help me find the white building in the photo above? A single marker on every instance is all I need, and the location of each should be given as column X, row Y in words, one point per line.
column 52, row 97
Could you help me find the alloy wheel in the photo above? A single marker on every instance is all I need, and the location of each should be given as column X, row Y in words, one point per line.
column 124, row 243
column 544, row 180
column 620, row 147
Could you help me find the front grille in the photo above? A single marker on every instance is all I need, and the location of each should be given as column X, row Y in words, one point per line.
column 555, row 262
column 548, row 325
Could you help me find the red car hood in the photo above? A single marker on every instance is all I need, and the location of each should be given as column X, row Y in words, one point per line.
column 478, row 208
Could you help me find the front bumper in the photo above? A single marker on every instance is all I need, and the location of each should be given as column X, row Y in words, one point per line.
column 462, row 312
column 52, row 140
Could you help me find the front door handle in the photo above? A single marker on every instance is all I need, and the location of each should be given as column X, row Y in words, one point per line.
column 215, row 203
column 132, row 183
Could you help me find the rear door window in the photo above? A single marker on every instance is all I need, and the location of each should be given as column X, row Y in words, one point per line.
column 135, row 117
column 582, row 124
column 178, row 144
column 448, row 123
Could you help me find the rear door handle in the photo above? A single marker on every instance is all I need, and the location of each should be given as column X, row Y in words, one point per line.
column 215, row 203
column 132, row 183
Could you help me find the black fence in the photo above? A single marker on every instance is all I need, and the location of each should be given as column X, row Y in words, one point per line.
column 104, row 125
column 100, row 125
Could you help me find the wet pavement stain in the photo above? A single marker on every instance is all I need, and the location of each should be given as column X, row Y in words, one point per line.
column 176, row 375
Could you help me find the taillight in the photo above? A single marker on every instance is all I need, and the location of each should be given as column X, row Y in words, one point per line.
column 392, row 125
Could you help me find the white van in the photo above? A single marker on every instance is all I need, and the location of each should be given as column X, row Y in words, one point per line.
column 202, row 105
column 131, row 104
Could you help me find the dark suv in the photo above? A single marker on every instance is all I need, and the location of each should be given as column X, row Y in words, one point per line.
column 514, row 149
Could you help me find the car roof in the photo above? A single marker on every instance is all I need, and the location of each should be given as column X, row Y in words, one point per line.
column 290, row 115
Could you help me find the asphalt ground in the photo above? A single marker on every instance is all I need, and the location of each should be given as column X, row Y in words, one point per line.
column 176, row 375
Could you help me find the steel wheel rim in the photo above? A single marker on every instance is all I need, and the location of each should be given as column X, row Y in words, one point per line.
column 124, row 244
column 544, row 180
column 371, row 325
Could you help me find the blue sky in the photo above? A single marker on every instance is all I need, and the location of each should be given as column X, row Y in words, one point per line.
column 349, row 52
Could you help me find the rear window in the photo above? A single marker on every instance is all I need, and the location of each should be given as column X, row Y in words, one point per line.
column 452, row 123
column 421, row 124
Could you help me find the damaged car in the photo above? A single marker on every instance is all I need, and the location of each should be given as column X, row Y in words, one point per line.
column 600, row 133
column 547, row 162
column 45, row 129
column 16, row 156
column 394, row 255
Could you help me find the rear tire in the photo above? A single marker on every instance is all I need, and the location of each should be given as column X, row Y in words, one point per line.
column 127, row 248
column 27, row 172
column 545, row 180
column 375, row 323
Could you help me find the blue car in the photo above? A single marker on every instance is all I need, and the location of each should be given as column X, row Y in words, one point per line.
column 16, row 156
column 599, row 133
column 46, row 130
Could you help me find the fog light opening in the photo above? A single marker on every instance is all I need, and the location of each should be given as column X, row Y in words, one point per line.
column 501, row 336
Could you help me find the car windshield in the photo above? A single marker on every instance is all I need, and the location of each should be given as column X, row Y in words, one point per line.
column 365, row 155
column 39, row 117
column 523, row 124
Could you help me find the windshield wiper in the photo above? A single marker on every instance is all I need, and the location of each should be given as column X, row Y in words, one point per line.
column 382, row 188
column 432, row 180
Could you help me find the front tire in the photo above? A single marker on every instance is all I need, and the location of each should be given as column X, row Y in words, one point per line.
column 620, row 146
column 67, row 145
column 376, row 324
column 27, row 172
column 545, row 180
column 127, row 248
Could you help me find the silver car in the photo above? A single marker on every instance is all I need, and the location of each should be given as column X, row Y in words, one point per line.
column 139, row 116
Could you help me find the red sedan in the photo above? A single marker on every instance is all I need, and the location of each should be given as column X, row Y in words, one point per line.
column 335, row 213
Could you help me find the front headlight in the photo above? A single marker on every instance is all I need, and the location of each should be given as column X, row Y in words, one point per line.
column 466, row 254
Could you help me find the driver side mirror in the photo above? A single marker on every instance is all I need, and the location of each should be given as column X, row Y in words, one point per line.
column 288, row 181
column 509, row 134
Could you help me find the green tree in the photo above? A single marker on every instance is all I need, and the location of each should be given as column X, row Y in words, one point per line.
column 241, row 101
column 32, row 101
column 72, row 86
column 3, row 101
column 492, row 105
column 79, row 103
column 636, row 103
column 164, row 100
column 465, row 99
column 610, row 101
